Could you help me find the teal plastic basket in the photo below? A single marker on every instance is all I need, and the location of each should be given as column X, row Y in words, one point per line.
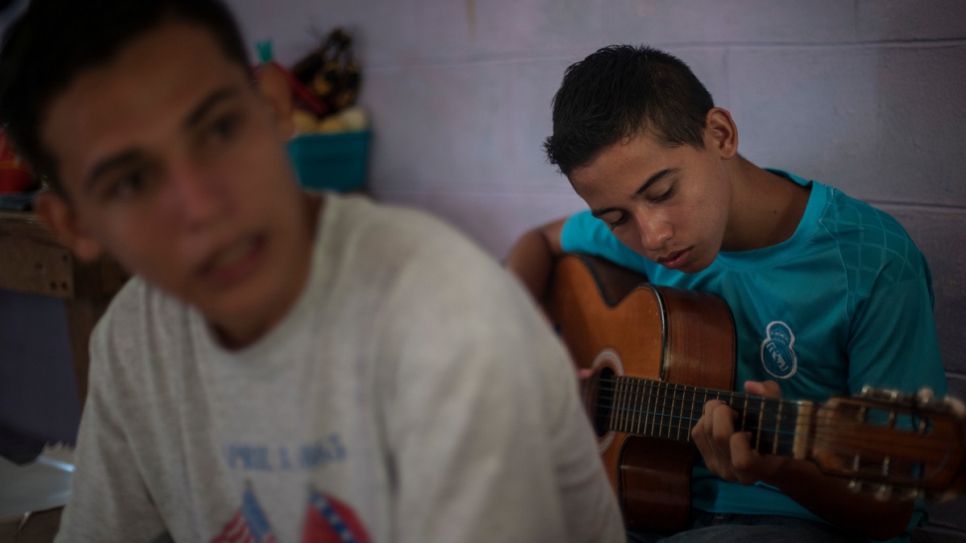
column 335, row 162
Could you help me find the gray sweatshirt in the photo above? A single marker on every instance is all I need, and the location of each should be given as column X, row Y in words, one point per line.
column 412, row 394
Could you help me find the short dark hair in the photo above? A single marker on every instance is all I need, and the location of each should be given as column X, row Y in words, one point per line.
column 54, row 41
column 618, row 92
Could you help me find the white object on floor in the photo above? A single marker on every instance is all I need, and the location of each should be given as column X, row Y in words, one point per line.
column 37, row 486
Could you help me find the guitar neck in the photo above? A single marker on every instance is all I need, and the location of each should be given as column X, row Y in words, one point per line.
column 663, row 410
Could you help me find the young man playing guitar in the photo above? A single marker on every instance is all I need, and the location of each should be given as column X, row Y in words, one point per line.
column 828, row 294
column 284, row 366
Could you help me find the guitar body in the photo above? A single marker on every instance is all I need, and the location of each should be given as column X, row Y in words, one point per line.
column 612, row 320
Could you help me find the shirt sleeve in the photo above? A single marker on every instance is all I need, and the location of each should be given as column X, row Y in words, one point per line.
column 486, row 428
column 584, row 233
column 893, row 342
column 109, row 500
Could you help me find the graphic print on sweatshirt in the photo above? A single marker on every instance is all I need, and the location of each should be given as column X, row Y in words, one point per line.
column 327, row 520
column 248, row 524
column 262, row 458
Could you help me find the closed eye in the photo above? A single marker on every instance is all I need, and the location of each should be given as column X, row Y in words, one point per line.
column 621, row 219
column 666, row 195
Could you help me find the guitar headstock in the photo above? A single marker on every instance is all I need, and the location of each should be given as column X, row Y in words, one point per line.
column 905, row 446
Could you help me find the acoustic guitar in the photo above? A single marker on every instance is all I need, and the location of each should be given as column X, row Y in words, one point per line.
column 659, row 354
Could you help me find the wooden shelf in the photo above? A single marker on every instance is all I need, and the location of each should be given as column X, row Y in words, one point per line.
column 32, row 260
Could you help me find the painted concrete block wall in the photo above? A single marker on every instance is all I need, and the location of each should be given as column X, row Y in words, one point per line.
column 866, row 95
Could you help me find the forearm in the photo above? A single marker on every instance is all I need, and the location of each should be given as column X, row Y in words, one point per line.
column 830, row 499
column 531, row 258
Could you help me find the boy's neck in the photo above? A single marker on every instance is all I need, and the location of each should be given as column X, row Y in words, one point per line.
column 766, row 208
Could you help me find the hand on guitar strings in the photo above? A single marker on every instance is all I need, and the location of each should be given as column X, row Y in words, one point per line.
column 728, row 453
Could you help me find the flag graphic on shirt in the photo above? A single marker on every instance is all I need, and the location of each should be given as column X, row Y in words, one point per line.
column 248, row 525
column 329, row 520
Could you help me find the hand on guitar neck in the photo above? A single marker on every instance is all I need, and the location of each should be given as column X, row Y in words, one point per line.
column 728, row 453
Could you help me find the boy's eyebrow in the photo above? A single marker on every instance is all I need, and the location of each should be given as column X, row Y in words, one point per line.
column 640, row 190
column 205, row 106
column 131, row 155
column 654, row 179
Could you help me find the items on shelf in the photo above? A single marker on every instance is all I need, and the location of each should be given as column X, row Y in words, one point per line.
column 331, row 72
column 18, row 185
column 15, row 175
column 330, row 145
column 325, row 86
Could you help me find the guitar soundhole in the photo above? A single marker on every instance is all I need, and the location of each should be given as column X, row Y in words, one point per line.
column 599, row 398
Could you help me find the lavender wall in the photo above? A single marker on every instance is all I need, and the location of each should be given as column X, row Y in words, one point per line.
column 866, row 95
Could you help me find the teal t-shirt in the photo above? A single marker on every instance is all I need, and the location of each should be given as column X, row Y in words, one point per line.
column 845, row 302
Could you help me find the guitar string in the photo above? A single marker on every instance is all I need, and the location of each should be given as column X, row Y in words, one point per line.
column 675, row 391
column 910, row 471
column 768, row 419
column 665, row 422
column 769, row 422
column 902, row 472
column 686, row 396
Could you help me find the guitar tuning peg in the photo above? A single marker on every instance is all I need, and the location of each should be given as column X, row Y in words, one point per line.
column 943, row 497
column 883, row 492
column 855, row 486
column 954, row 406
column 925, row 397
column 883, row 395
column 913, row 494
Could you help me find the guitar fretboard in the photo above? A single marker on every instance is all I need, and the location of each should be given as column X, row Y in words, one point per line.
column 669, row 411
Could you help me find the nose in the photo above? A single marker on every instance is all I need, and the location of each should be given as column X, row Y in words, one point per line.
column 199, row 196
column 654, row 231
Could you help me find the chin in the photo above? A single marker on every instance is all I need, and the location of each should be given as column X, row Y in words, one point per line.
column 695, row 267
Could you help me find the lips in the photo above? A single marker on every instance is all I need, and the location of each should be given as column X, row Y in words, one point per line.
column 674, row 260
column 233, row 262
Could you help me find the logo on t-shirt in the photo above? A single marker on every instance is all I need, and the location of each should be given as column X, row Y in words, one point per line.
column 777, row 352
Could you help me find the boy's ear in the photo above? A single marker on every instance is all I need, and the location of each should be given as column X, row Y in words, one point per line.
column 274, row 86
column 721, row 132
column 60, row 218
